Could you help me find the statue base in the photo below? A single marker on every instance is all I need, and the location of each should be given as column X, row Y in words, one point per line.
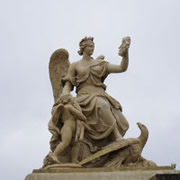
column 66, row 173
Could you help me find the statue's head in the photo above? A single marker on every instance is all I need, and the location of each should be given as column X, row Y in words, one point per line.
column 86, row 44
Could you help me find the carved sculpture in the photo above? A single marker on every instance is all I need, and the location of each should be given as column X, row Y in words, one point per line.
column 88, row 130
column 131, row 155
column 70, row 112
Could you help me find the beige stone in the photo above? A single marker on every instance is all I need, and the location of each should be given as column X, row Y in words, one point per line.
column 87, row 130
column 100, row 173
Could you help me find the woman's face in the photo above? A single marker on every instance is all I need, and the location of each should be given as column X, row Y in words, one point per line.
column 89, row 49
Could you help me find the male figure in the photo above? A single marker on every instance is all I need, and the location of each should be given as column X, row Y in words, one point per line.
column 70, row 114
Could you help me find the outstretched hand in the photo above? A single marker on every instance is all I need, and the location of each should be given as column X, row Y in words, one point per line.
column 123, row 49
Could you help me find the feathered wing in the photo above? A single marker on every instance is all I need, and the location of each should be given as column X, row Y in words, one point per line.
column 58, row 67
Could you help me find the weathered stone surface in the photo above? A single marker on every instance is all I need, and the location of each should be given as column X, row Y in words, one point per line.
column 88, row 129
column 101, row 174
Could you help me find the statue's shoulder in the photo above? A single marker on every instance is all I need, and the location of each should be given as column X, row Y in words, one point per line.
column 100, row 58
column 99, row 61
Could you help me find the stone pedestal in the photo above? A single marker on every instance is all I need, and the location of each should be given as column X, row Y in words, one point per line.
column 102, row 174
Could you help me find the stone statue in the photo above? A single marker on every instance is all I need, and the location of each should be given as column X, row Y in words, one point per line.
column 70, row 112
column 87, row 130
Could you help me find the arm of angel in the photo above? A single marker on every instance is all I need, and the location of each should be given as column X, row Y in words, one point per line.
column 69, row 79
column 78, row 114
column 67, row 88
column 111, row 68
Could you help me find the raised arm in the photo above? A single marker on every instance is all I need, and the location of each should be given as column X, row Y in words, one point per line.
column 123, row 51
column 111, row 68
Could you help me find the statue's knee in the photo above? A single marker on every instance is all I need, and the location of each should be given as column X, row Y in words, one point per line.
column 127, row 126
column 103, row 105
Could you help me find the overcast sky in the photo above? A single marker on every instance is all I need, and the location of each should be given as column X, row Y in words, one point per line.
column 149, row 91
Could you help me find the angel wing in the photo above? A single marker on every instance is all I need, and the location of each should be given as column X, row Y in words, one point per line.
column 58, row 67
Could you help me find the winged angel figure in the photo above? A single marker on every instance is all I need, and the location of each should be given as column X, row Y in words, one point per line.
column 84, row 124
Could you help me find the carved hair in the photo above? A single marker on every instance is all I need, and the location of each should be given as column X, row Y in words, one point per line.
column 83, row 43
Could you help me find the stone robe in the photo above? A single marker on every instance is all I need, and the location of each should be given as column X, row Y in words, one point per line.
column 91, row 96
